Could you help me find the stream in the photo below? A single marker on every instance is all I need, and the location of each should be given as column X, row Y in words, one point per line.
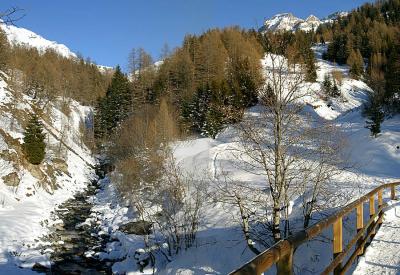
column 73, row 238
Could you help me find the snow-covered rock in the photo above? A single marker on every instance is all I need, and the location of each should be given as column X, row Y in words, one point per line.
column 289, row 22
column 281, row 22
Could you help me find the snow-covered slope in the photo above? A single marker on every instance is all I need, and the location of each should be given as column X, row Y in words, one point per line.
column 28, row 193
column 27, row 38
column 220, row 246
column 24, row 37
column 289, row 22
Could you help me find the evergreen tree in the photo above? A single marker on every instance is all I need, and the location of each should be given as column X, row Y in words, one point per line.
column 199, row 108
column 34, row 146
column 311, row 73
column 327, row 85
column 243, row 84
column 214, row 121
column 115, row 106
column 335, row 92
column 356, row 63
column 375, row 116
column 330, row 87
column 392, row 76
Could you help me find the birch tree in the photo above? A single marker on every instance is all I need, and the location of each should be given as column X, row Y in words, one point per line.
column 286, row 146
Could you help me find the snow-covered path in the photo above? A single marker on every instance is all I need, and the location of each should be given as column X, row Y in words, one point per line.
column 383, row 255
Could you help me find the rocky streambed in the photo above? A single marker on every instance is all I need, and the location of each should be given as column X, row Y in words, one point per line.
column 75, row 240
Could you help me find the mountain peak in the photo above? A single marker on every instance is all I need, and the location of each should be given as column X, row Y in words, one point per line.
column 312, row 18
column 24, row 37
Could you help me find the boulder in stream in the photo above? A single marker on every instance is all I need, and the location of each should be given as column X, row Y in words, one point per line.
column 137, row 228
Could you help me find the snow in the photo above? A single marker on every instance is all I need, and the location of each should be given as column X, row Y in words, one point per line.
column 289, row 22
column 24, row 37
column 220, row 247
column 25, row 209
column 382, row 255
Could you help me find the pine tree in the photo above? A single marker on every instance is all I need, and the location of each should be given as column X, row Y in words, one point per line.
column 311, row 73
column 375, row 116
column 330, row 87
column 115, row 106
column 392, row 76
column 243, row 84
column 214, row 121
column 356, row 63
column 199, row 108
column 327, row 85
column 34, row 146
column 335, row 92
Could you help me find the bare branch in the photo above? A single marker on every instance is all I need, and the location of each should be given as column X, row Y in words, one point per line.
column 12, row 15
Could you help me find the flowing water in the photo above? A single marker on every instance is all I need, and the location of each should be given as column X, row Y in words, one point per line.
column 71, row 239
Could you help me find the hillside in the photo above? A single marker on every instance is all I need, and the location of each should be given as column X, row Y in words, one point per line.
column 29, row 193
column 220, row 247
column 195, row 164
column 23, row 37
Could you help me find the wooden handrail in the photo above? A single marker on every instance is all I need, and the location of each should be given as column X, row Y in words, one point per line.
column 282, row 252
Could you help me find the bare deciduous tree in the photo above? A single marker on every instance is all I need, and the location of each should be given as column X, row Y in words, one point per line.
column 11, row 15
column 295, row 154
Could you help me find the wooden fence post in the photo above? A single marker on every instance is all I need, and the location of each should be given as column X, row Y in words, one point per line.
column 372, row 212
column 337, row 242
column 285, row 265
column 380, row 203
column 360, row 225
column 392, row 192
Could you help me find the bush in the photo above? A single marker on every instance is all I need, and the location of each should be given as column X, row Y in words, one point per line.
column 337, row 77
column 34, row 146
column 330, row 88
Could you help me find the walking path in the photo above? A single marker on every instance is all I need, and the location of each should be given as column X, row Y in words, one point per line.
column 383, row 255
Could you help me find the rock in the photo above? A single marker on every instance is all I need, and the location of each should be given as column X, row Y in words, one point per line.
column 60, row 165
column 11, row 179
column 137, row 228
column 39, row 268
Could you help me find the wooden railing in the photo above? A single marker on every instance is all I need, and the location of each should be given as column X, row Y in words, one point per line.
column 281, row 253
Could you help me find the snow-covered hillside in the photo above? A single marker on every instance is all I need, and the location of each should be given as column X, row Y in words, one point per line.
column 289, row 22
column 220, row 246
column 24, row 37
column 28, row 193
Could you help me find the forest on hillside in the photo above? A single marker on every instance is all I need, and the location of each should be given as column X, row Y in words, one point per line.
column 203, row 87
column 368, row 41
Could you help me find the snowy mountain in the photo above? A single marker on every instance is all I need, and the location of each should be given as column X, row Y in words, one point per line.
column 289, row 22
column 24, row 37
column 27, row 38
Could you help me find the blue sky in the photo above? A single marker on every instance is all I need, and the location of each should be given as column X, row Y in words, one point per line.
column 106, row 30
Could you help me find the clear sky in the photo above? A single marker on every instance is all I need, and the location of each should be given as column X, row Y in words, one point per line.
column 106, row 30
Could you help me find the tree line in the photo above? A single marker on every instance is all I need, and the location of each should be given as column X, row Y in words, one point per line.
column 368, row 40
column 209, row 80
column 46, row 76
